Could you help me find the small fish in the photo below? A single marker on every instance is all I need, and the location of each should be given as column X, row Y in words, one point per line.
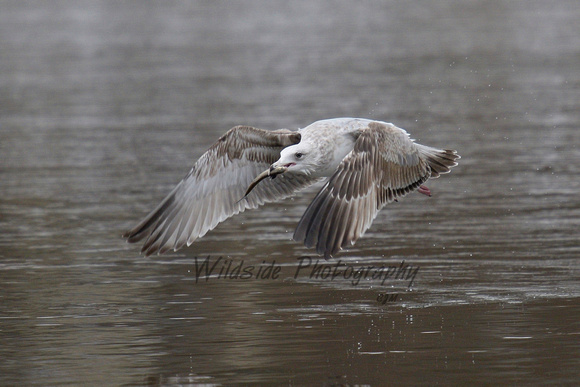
column 272, row 172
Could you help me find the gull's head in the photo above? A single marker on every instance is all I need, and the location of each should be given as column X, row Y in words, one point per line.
column 299, row 158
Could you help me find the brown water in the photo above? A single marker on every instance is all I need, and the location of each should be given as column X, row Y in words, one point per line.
column 105, row 105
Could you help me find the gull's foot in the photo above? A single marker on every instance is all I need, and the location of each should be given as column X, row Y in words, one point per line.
column 424, row 190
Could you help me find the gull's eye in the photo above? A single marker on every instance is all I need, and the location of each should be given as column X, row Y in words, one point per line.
column 298, row 155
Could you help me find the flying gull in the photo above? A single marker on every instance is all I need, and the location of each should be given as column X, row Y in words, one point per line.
column 367, row 164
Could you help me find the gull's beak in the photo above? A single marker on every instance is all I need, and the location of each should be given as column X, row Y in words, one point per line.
column 272, row 172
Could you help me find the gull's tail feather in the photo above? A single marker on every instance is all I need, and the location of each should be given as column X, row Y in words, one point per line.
column 440, row 161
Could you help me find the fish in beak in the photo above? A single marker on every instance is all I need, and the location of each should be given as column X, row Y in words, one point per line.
column 272, row 172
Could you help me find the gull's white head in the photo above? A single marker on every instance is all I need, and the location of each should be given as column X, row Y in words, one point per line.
column 299, row 158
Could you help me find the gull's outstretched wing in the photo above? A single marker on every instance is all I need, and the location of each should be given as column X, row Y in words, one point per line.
column 384, row 164
column 211, row 191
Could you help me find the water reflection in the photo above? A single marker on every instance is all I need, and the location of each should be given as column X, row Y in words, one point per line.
column 104, row 107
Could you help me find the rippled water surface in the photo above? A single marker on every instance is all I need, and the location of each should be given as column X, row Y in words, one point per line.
column 105, row 105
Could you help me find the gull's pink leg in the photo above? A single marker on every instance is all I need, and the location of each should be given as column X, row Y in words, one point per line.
column 424, row 190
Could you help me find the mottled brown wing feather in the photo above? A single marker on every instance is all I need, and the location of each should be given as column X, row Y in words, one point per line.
column 384, row 165
column 211, row 191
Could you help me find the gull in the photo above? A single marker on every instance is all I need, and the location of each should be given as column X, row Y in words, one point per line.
column 366, row 164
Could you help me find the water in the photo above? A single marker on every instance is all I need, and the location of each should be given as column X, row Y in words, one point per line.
column 104, row 106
